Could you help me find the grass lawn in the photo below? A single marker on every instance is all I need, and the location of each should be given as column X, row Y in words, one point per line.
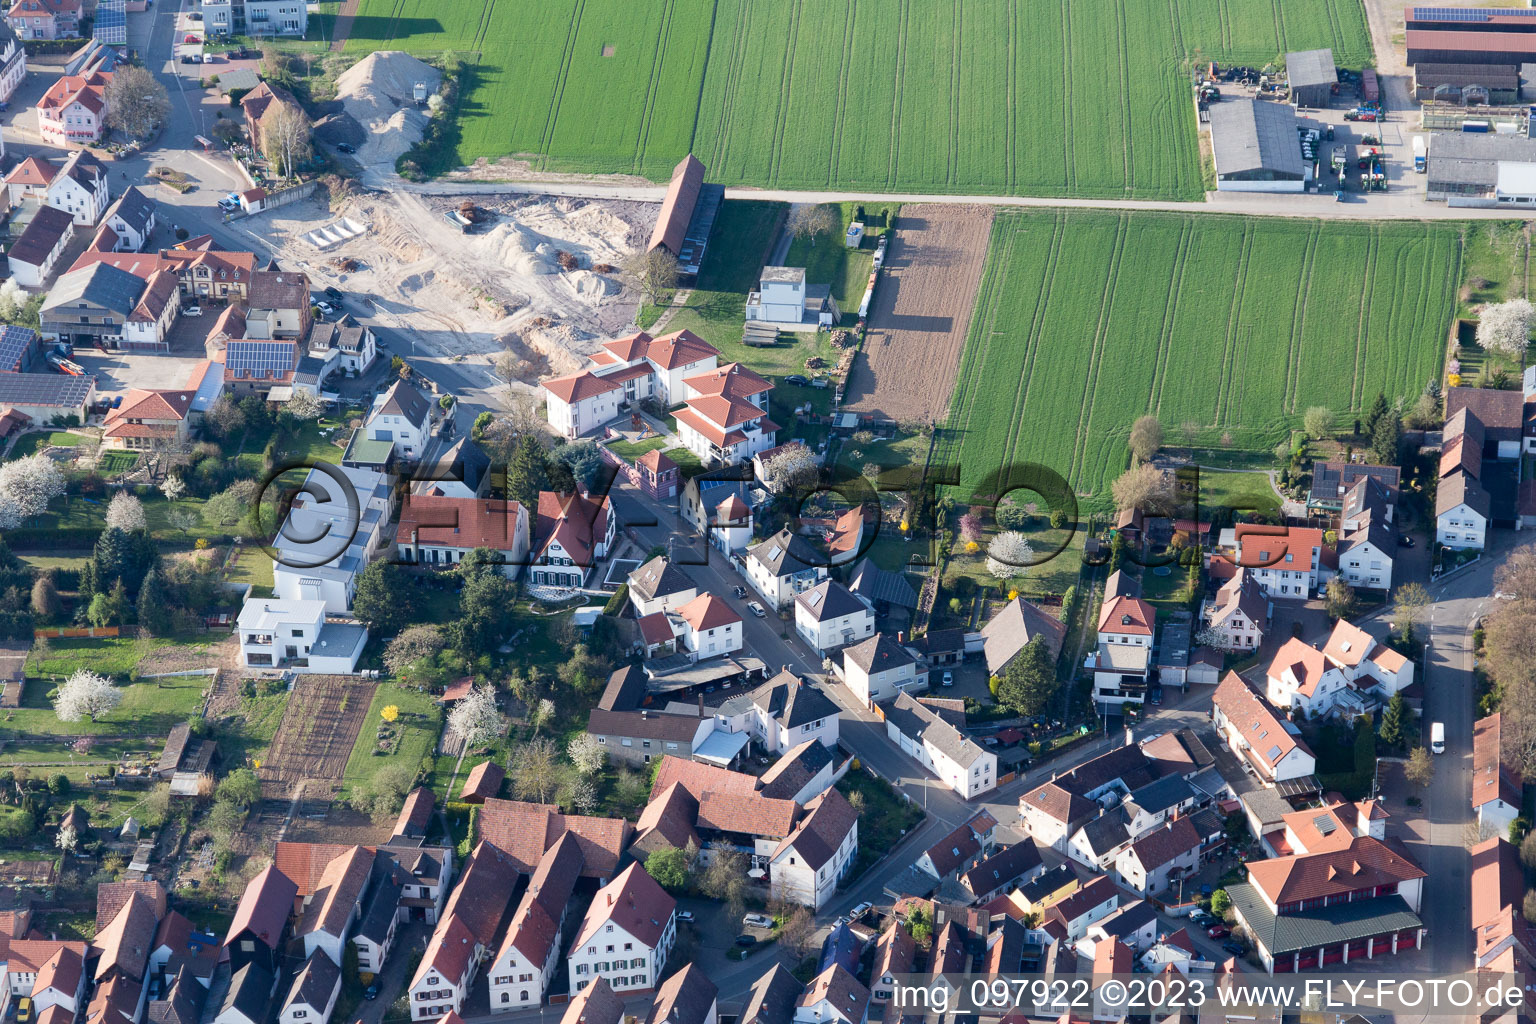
column 249, row 732
column 629, row 451
column 1167, row 592
column 829, row 261
column 254, row 566
column 688, row 464
column 138, row 726
column 114, row 656
column 29, row 444
column 1238, row 325
column 887, row 816
column 114, row 462
column 78, row 511
column 1496, row 263
column 1237, row 491
column 1051, row 577
column 41, row 562
column 418, row 726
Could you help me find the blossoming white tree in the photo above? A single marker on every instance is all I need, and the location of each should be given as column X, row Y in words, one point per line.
column 86, row 695
column 125, row 512
column 1009, row 555
column 476, row 719
column 26, row 486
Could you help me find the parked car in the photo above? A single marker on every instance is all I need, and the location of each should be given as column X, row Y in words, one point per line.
column 345, row 147
column 192, row 311
column 821, row 382
column 685, row 915
column 23, row 1010
column 196, row 15
column 1235, row 948
column 1219, row 931
column 860, row 910
column 1201, row 918
column 371, row 992
column 117, row 401
column 798, row 379
column 756, row 609
column 334, row 294
column 209, row 58
column 948, row 680
column 324, row 307
column 740, row 593
column 1404, row 541
column 191, row 39
column 758, row 921
column 746, row 941
column 188, row 58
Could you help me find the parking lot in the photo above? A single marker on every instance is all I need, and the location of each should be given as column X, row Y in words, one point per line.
column 120, row 371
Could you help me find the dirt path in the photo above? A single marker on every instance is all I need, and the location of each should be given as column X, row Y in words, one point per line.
column 922, row 312
column 343, row 25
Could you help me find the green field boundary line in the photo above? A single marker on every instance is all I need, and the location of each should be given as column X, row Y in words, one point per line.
column 1100, row 341
column 1274, row 8
column 1298, row 317
column 901, row 82
column 1125, row 90
column 1357, row 385
column 1170, row 316
column 786, row 86
column 840, row 117
column 1036, row 326
column 1234, row 323
column 546, row 137
column 1070, row 164
column 698, row 102
column 975, row 353
column 952, row 152
column 1010, row 80
column 653, row 86
column 733, row 81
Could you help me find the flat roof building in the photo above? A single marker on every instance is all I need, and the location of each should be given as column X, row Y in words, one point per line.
column 1480, row 169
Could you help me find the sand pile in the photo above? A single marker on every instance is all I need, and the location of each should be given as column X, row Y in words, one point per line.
column 377, row 93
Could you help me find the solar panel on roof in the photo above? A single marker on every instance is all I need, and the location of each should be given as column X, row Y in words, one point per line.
column 261, row 357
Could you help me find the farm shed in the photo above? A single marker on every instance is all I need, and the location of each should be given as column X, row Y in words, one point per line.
column 1256, row 147
column 1475, row 169
column 1312, row 77
column 687, row 215
column 1497, row 84
column 1470, row 35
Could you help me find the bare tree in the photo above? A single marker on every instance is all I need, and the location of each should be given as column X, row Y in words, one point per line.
column 510, row 366
column 285, row 137
column 1409, row 607
column 791, row 467
column 136, row 103
column 808, row 221
column 304, row 406
column 1421, row 767
column 1146, row 437
column 653, row 271
column 1146, row 487
column 725, row 879
column 535, row 769
column 798, row 933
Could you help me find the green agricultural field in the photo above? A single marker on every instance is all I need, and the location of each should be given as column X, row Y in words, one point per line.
column 1083, row 99
column 1086, row 320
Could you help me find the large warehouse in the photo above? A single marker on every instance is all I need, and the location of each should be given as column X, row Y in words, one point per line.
column 1256, row 147
column 1471, row 35
column 1497, row 84
column 1476, row 169
column 1312, row 76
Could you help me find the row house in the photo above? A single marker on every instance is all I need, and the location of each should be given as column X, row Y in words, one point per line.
column 470, row 922
column 1160, row 857
column 80, row 189
column 688, row 997
column 929, row 734
column 704, row 627
column 814, row 859
column 333, row 908
column 1258, row 735
column 438, row 532
column 960, row 850
column 783, row 567
column 1503, row 942
column 879, row 668
column 312, row 995
column 1463, row 508
column 525, row 964
column 1053, row 811
column 1496, row 785
column 1124, row 659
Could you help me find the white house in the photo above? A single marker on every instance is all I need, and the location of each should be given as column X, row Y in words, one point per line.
column 784, row 300
column 293, row 635
column 525, row 964
column 34, row 256
column 1258, row 736
column 1299, row 677
column 1495, row 786
column 444, row 975
column 781, row 714
column 572, row 534
column 1159, row 857
column 331, row 910
column 724, row 417
column 625, row 371
column 312, row 562
column 74, row 109
column 60, row 982
column 1366, row 554
column 808, row 865
column 80, row 188
column 438, row 531
column 131, row 220
column 580, row 403
column 625, row 935
column 1124, row 658
column 1088, row 904
column 1461, row 512
column 313, row 994
column 1239, row 612
column 13, row 65
column 688, row 997
column 783, row 566
column 276, row 18
column 1286, row 562
column 710, row 627
column 829, row 615
column 923, row 734
column 833, row 997
column 402, row 415
column 660, row 586
column 878, row 668
column 345, row 345
column 1367, row 663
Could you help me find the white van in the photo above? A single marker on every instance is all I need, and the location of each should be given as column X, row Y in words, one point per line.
column 1437, row 738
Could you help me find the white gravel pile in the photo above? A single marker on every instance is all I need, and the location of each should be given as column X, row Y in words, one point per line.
column 376, row 92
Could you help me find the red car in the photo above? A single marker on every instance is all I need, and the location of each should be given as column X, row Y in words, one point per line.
column 1219, row 931
column 191, row 39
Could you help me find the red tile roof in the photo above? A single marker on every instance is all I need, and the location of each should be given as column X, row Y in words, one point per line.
column 111, row 896
column 437, row 520
column 1252, row 716
column 578, row 387
column 1129, row 615
column 1364, row 864
column 484, row 780
column 626, row 349
column 32, row 172
column 264, row 907
column 416, row 812
column 708, row 612
column 733, row 380
column 1492, row 779
column 677, row 207
column 576, row 521
column 1305, row 662
column 1266, row 547
column 698, row 778
column 633, row 901
column 305, row 863
column 680, row 348
column 87, row 90
column 656, row 461
column 525, row 830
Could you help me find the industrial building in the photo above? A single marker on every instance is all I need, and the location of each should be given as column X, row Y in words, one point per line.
column 1481, row 169
column 1256, row 147
column 1312, row 76
column 1484, row 84
column 1470, row 35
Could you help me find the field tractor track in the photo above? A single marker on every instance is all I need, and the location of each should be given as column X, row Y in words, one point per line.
column 1011, row 124
column 786, row 85
column 1357, row 385
column 952, row 151
column 486, row 15
column 653, row 86
column 1036, row 324
column 732, row 83
column 1100, row 341
column 546, row 137
column 1170, row 316
column 962, row 400
column 901, row 82
column 840, row 116
column 1298, row 317
column 1125, row 90
column 1066, row 90
column 1234, row 325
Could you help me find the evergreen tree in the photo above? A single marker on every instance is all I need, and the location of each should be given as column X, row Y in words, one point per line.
column 154, row 616
column 383, row 599
column 1379, row 409
column 1386, row 439
column 527, row 471
column 1393, row 720
column 117, row 602
column 1029, row 681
